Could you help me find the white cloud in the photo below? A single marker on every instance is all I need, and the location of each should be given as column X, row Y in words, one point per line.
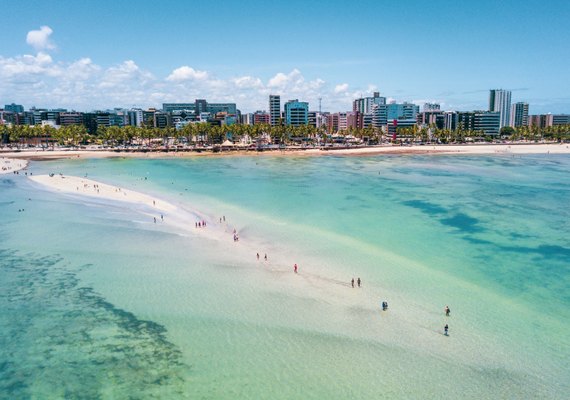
column 343, row 87
column 248, row 82
column 82, row 69
column 123, row 74
column 28, row 65
column 186, row 73
column 281, row 80
column 39, row 80
column 39, row 39
column 371, row 88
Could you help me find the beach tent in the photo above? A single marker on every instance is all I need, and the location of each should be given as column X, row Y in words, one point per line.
column 227, row 145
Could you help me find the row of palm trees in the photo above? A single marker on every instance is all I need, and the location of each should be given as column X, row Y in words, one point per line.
column 204, row 134
column 557, row 133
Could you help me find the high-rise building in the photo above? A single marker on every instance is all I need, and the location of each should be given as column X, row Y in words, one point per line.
column 342, row 121
column 162, row 119
column 354, row 120
column 296, row 112
column 384, row 113
column 367, row 120
column 486, row 122
column 170, row 107
column 70, row 118
column 274, row 109
column 332, row 123
column 398, row 123
column 246, row 119
column 431, row 118
column 17, row 108
column 200, row 106
column 500, row 101
column 312, row 117
column 431, row 107
column 135, row 117
column 261, row 117
column 450, row 120
column 541, row 120
column 519, row 114
column 364, row 105
column 561, row 119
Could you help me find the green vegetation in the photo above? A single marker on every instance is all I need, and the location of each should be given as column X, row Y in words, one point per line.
column 204, row 135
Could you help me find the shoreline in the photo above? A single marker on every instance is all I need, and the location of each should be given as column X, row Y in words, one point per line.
column 469, row 149
column 90, row 188
column 12, row 165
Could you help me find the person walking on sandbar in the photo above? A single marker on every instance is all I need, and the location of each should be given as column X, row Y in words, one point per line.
column 352, row 282
column 358, row 281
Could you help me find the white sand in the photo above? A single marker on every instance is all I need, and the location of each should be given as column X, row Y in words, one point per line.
column 519, row 148
column 475, row 148
column 9, row 165
column 88, row 187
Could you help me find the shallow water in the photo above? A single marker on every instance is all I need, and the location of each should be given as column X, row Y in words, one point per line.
column 98, row 301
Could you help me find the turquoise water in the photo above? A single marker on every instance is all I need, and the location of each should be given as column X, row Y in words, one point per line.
column 99, row 302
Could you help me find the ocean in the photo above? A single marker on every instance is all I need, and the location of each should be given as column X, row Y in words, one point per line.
column 99, row 301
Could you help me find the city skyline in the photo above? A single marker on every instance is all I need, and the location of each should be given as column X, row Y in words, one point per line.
column 123, row 56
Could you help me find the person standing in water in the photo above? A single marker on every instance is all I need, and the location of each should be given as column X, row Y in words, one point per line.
column 447, row 311
column 352, row 282
column 258, row 256
column 295, row 268
column 358, row 281
column 446, row 330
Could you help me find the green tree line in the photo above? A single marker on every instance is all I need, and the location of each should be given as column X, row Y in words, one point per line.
column 205, row 134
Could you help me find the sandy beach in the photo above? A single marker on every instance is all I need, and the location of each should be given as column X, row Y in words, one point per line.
column 88, row 187
column 518, row 148
column 11, row 165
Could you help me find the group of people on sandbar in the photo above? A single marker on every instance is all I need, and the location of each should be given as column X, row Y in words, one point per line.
column 358, row 281
column 263, row 257
column 201, row 224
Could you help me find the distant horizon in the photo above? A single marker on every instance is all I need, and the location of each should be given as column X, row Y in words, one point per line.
column 144, row 56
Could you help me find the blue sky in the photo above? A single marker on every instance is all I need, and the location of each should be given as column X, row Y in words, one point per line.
column 104, row 54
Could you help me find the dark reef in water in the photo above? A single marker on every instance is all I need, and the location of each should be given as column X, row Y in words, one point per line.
column 61, row 340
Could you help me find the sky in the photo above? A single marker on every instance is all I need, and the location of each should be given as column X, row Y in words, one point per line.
column 87, row 55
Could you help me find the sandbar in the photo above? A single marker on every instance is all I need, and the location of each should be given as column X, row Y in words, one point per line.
column 91, row 188
column 11, row 165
